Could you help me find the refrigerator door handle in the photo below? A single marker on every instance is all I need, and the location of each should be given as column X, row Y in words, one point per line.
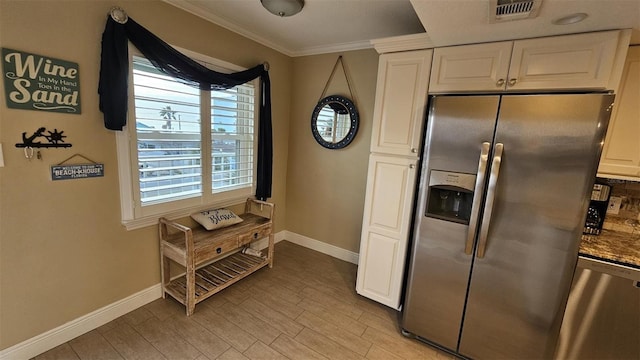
column 491, row 195
column 477, row 197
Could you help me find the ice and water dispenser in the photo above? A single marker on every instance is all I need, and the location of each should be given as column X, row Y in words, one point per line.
column 450, row 196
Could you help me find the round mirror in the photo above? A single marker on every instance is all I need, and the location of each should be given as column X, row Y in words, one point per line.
column 334, row 122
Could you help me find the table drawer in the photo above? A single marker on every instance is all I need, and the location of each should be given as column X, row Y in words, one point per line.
column 212, row 250
column 254, row 234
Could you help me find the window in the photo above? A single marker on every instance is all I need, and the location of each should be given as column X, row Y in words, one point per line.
column 189, row 148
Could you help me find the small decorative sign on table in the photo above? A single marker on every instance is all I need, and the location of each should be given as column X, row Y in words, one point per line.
column 76, row 171
column 35, row 82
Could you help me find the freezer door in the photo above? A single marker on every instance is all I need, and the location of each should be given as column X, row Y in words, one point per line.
column 438, row 273
column 519, row 288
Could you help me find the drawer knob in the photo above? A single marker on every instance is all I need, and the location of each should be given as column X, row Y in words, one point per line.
column 255, row 235
column 218, row 250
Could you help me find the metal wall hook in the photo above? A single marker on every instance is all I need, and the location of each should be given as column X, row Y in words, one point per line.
column 54, row 139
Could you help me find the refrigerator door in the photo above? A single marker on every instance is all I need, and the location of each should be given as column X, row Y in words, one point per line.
column 519, row 288
column 438, row 273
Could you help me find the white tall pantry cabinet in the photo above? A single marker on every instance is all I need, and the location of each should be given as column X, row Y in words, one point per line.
column 398, row 118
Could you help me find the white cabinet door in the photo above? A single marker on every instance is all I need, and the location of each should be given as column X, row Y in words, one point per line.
column 621, row 152
column 582, row 61
column 385, row 228
column 401, row 97
column 569, row 62
column 479, row 67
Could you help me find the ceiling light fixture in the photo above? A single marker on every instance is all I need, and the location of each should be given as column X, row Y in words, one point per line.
column 283, row 8
column 570, row 19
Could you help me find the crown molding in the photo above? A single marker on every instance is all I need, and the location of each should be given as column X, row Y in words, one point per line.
column 213, row 18
column 402, row 43
column 316, row 50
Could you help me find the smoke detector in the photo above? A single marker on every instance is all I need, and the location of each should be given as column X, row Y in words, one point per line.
column 508, row 10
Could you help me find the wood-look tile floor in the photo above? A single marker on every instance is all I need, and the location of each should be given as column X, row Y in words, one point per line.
column 305, row 307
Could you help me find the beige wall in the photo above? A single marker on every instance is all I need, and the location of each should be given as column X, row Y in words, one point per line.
column 326, row 188
column 63, row 251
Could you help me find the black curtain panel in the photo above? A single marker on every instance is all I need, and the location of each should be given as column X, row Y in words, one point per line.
column 114, row 72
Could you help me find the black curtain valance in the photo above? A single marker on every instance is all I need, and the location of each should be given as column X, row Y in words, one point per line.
column 114, row 73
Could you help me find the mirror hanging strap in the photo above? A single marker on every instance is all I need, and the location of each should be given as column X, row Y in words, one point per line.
column 346, row 76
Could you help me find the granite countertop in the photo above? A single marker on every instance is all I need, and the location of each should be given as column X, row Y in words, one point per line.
column 615, row 246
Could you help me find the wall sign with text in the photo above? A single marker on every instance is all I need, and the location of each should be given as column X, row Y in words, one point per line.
column 35, row 82
column 63, row 171
column 82, row 171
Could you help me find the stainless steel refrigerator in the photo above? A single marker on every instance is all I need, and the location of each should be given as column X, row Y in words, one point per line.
column 504, row 190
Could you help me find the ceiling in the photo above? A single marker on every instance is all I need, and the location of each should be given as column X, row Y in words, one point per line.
column 325, row 26
column 465, row 21
column 322, row 26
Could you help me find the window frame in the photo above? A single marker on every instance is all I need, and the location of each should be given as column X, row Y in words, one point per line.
column 133, row 215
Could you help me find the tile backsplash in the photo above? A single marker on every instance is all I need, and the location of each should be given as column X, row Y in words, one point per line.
column 628, row 218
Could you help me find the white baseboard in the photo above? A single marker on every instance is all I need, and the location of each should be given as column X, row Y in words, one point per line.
column 310, row 243
column 52, row 338
column 322, row 247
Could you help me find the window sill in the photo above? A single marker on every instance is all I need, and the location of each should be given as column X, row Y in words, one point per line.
column 173, row 215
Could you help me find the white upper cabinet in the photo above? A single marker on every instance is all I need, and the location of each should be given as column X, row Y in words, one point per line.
column 478, row 67
column 583, row 61
column 621, row 152
column 401, row 97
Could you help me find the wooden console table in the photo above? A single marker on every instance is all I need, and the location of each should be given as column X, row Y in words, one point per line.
column 213, row 259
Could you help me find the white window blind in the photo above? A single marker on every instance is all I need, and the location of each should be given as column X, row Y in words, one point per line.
column 232, row 137
column 177, row 155
column 168, row 135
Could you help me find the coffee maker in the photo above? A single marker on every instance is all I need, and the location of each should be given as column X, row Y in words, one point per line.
column 597, row 209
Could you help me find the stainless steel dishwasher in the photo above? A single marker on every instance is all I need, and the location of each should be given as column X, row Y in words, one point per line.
column 602, row 318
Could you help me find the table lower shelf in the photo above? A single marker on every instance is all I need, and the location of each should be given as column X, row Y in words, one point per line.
column 216, row 277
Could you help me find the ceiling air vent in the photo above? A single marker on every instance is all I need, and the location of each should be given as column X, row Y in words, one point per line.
column 507, row 10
